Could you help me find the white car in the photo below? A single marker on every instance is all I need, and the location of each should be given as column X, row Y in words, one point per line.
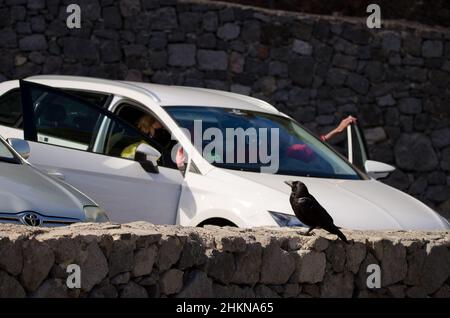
column 32, row 198
column 77, row 128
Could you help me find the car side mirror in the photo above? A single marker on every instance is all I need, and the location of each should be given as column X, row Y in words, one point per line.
column 20, row 146
column 378, row 170
column 148, row 157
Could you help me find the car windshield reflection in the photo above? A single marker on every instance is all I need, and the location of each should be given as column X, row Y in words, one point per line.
column 247, row 139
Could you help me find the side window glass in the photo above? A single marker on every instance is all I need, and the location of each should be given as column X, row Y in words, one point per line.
column 159, row 136
column 11, row 105
column 64, row 120
column 10, row 108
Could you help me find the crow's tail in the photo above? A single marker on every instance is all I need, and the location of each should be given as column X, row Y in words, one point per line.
column 335, row 230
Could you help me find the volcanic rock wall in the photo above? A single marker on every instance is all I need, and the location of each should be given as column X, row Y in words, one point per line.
column 315, row 68
column 143, row 260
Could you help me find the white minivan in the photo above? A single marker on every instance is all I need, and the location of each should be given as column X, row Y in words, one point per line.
column 78, row 128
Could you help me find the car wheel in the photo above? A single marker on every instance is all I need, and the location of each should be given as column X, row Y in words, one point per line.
column 217, row 222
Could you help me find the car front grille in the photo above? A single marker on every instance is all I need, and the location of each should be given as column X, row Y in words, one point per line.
column 34, row 219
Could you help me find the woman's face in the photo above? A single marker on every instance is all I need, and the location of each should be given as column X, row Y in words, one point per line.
column 157, row 125
column 148, row 125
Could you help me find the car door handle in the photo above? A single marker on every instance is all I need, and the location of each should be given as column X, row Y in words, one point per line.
column 56, row 174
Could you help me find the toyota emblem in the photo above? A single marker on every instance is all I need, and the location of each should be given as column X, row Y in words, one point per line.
column 31, row 219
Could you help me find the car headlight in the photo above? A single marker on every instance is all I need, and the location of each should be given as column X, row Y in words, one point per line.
column 95, row 214
column 284, row 220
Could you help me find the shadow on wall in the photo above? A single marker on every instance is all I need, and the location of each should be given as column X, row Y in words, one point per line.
column 435, row 13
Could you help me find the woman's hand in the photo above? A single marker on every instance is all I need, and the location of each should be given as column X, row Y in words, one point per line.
column 340, row 128
column 345, row 123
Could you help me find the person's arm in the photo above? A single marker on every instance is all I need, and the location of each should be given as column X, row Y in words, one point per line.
column 339, row 129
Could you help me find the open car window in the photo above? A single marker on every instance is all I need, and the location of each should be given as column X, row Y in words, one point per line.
column 132, row 112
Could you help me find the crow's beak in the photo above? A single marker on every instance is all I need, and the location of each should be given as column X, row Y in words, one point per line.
column 289, row 183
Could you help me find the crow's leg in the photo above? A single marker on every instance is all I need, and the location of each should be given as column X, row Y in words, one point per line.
column 309, row 232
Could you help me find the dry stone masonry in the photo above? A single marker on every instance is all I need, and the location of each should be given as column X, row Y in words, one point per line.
column 143, row 260
column 315, row 68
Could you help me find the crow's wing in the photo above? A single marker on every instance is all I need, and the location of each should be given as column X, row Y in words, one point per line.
column 315, row 215
column 306, row 212
column 322, row 215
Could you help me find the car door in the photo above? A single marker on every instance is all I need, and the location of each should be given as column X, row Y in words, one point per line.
column 356, row 147
column 81, row 143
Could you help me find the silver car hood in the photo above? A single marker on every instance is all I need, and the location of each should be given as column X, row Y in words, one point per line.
column 24, row 188
column 356, row 204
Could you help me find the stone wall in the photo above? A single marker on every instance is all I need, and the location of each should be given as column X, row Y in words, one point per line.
column 315, row 68
column 143, row 260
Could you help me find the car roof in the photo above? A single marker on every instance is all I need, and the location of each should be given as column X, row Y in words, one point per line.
column 169, row 95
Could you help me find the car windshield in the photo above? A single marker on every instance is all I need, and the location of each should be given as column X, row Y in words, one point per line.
column 6, row 154
column 259, row 142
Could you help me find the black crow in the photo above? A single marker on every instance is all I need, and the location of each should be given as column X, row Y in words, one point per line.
column 309, row 211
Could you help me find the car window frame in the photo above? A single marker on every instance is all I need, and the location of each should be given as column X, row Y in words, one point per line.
column 29, row 120
column 355, row 131
column 108, row 99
